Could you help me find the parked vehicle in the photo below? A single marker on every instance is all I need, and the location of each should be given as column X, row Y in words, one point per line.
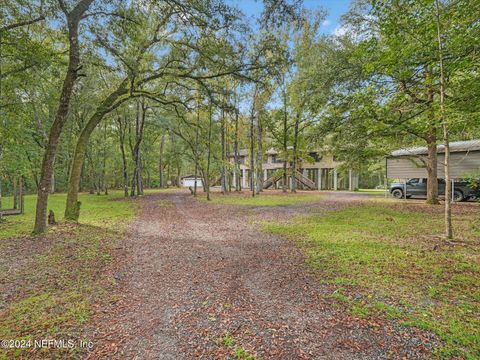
column 418, row 187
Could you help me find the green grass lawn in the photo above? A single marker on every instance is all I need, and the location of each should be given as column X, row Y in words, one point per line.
column 51, row 282
column 372, row 191
column 264, row 199
column 97, row 210
column 387, row 253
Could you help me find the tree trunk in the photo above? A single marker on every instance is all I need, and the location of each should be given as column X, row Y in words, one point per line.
column 171, row 163
column 169, row 167
column 207, row 177
column 1, row 199
column 160, row 162
column 432, row 178
column 179, row 171
column 448, row 188
column 195, row 155
column 448, row 185
column 122, row 133
column 110, row 103
column 228, row 172
column 136, row 151
column 73, row 19
column 140, row 174
column 259, row 154
column 285, row 148
column 295, row 158
column 21, row 193
column 104, row 165
column 252, row 142
column 236, row 169
column 223, row 171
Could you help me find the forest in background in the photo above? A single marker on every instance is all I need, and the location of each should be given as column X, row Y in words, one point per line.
column 97, row 95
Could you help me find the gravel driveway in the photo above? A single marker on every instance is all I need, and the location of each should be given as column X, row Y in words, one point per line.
column 193, row 272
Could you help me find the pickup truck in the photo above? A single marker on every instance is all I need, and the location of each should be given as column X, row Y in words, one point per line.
column 418, row 187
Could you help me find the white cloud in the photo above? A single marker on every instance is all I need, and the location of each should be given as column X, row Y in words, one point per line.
column 340, row 30
column 326, row 23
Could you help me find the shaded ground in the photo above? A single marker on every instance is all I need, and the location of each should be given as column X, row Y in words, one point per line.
column 49, row 283
column 200, row 280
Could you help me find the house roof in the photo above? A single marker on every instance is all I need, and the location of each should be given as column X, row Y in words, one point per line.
column 271, row 151
column 241, row 152
column 190, row 177
column 455, row 146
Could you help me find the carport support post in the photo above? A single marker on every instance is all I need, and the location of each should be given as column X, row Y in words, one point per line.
column 386, row 187
column 319, row 179
column 335, row 180
column 350, row 180
column 453, row 189
column 386, row 176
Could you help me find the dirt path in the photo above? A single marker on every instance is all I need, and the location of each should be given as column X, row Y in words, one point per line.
column 196, row 271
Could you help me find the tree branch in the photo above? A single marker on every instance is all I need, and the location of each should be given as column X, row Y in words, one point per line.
column 22, row 23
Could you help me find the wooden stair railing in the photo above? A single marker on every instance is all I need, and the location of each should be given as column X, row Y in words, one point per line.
column 271, row 180
column 305, row 180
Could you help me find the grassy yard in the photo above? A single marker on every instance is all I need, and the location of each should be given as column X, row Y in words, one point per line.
column 267, row 198
column 380, row 192
column 96, row 210
column 50, row 283
column 389, row 260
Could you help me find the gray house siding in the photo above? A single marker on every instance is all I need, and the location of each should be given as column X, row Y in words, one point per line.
column 462, row 163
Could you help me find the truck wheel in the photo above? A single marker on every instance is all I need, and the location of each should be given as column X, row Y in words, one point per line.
column 397, row 193
column 457, row 196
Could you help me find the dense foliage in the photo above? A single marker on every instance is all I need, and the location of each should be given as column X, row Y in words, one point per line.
column 169, row 88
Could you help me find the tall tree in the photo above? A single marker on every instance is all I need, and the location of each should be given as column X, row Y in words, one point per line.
column 73, row 18
column 448, row 188
column 122, row 132
column 137, row 181
column 143, row 79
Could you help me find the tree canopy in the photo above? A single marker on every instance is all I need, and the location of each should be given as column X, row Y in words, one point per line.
column 99, row 95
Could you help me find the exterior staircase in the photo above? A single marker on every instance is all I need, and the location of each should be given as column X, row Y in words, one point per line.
column 272, row 180
column 305, row 181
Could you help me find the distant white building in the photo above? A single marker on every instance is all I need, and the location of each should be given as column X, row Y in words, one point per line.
column 189, row 181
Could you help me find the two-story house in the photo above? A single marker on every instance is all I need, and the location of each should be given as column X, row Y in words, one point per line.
column 317, row 171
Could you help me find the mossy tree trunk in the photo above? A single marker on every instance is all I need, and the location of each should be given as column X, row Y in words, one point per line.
column 72, row 209
column 73, row 19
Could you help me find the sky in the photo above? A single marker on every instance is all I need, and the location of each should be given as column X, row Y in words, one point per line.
column 335, row 9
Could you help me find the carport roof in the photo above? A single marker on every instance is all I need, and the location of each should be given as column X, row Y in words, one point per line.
column 456, row 146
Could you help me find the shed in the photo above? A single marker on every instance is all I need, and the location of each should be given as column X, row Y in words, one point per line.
column 410, row 162
column 189, row 181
